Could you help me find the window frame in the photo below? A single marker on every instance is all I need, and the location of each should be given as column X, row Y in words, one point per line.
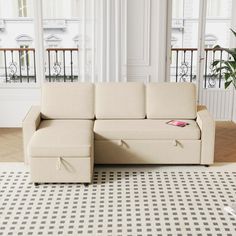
column 22, row 8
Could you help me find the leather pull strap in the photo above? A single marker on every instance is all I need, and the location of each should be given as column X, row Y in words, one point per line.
column 175, row 142
column 59, row 163
column 120, row 142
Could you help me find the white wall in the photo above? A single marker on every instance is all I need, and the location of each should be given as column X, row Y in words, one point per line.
column 219, row 102
column 234, row 107
column 15, row 103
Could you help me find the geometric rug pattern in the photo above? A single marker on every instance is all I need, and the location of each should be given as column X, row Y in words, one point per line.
column 120, row 202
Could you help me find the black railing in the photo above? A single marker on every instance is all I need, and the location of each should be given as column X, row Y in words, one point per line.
column 62, row 64
column 17, row 65
column 184, row 66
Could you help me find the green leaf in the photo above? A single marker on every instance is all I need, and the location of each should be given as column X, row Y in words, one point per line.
column 217, row 47
column 232, row 52
column 233, row 32
column 227, row 76
column 226, row 68
column 232, row 64
column 229, row 66
column 227, row 84
column 215, row 63
column 218, row 69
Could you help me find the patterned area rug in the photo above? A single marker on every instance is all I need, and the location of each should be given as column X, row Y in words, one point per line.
column 121, row 201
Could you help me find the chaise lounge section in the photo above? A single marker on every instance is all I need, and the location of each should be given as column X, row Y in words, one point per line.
column 60, row 148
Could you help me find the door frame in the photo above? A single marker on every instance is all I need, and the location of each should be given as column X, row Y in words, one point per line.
column 201, row 47
column 233, row 45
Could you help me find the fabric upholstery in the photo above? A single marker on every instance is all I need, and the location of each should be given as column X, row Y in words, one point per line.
column 67, row 101
column 120, row 100
column 147, row 152
column 73, row 170
column 207, row 126
column 144, row 130
column 121, row 133
column 171, row 101
column 30, row 125
column 62, row 138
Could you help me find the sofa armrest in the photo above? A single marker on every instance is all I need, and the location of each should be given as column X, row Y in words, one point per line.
column 30, row 125
column 207, row 126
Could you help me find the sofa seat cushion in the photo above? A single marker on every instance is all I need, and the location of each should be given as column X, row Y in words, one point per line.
column 144, row 129
column 62, row 138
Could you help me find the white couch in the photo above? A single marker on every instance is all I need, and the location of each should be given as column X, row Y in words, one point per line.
column 79, row 124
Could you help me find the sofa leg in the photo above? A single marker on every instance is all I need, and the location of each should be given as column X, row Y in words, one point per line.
column 86, row 184
column 207, row 165
column 36, row 184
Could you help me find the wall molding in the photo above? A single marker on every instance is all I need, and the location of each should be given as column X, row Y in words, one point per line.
column 145, row 59
column 142, row 78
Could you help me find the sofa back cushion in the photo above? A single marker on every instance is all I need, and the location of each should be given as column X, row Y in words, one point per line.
column 171, row 101
column 120, row 100
column 67, row 101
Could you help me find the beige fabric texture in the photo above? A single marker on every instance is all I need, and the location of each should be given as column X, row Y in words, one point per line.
column 29, row 126
column 171, row 101
column 120, row 100
column 207, row 126
column 67, row 101
column 62, row 138
column 72, row 170
column 122, row 135
column 147, row 152
column 144, row 129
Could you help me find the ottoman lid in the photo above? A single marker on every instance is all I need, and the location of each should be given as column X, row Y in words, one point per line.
column 62, row 138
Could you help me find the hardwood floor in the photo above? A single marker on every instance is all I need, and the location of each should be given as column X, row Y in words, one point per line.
column 11, row 145
column 225, row 144
column 225, row 147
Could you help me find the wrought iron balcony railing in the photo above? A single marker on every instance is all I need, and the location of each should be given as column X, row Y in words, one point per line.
column 17, row 65
column 62, row 64
column 184, row 66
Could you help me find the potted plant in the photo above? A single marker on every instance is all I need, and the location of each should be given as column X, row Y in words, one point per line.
column 227, row 68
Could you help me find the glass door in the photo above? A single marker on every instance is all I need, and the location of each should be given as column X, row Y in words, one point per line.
column 184, row 40
column 198, row 26
column 217, row 32
column 212, row 92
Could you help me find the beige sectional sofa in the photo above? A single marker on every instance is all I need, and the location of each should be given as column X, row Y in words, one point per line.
column 79, row 124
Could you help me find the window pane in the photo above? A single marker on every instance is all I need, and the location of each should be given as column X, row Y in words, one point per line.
column 217, row 32
column 17, row 60
column 184, row 37
column 61, row 27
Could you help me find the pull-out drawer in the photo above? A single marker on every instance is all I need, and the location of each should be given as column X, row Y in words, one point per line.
column 147, row 151
column 61, row 169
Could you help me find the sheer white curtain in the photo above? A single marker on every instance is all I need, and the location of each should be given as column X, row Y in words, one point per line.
column 102, row 44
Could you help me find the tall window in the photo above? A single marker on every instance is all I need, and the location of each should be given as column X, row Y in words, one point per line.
column 213, row 8
column 54, row 9
column 177, row 9
column 24, row 56
column 22, row 8
column 61, row 23
column 1, row 64
column 75, row 8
